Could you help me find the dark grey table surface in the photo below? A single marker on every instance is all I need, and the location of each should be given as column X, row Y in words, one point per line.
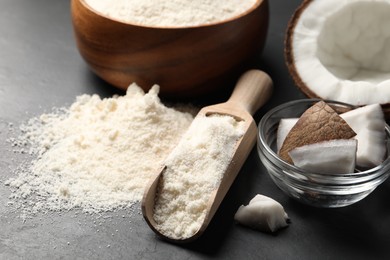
column 40, row 67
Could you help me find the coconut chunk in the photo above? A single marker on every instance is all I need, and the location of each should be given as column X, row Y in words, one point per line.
column 284, row 127
column 334, row 156
column 340, row 50
column 262, row 213
column 318, row 123
column 369, row 124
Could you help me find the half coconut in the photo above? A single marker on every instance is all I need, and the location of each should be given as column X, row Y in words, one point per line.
column 340, row 50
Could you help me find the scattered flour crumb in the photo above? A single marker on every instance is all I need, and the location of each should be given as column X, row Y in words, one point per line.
column 97, row 155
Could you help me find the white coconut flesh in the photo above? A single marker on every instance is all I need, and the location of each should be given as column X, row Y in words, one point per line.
column 369, row 124
column 262, row 213
column 334, row 156
column 341, row 50
column 284, row 127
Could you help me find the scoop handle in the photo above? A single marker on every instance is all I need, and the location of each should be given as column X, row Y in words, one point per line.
column 252, row 90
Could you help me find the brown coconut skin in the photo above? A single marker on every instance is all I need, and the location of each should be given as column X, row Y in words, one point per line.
column 290, row 59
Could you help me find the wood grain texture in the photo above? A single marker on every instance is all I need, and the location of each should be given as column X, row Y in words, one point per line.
column 253, row 89
column 183, row 61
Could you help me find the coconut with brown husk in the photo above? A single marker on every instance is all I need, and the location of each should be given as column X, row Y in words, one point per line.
column 318, row 124
column 323, row 141
column 367, row 122
column 340, row 50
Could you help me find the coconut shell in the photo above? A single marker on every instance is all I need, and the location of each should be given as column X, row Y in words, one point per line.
column 317, row 124
column 289, row 57
column 289, row 54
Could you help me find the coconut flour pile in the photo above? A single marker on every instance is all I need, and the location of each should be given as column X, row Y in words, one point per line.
column 174, row 13
column 193, row 171
column 97, row 155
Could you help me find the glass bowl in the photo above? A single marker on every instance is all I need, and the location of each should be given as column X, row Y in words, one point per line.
column 315, row 189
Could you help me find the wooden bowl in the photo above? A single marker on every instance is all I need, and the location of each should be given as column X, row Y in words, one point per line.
column 185, row 61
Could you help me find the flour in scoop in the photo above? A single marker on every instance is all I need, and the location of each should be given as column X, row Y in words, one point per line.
column 193, row 171
column 98, row 154
column 173, row 13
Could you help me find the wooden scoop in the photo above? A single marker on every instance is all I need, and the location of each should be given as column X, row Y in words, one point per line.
column 251, row 92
